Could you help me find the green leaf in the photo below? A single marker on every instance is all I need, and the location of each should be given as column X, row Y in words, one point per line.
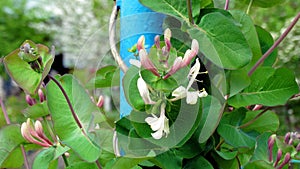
column 238, row 80
column 176, row 8
column 65, row 125
column 14, row 160
column 124, row 162
column 269, row 87
column 227, row 155
column 266, row 41
column 10, row 139
column 199, row 162
column 22, row 72
column 212, row 113
column 259, row 164
column 166, row 85
column 269, row 121
column 107, row 76
column 81, row 165
column 248, row 29
column 167, row 160
column 230, row 131
column 43, row 159
column 264, row 3
column 235, row 137
column 131, row 91
column 261, row 151
column 37, row 110
column 228, row 50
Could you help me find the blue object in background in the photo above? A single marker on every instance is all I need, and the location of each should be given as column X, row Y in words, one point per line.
column 136, row 20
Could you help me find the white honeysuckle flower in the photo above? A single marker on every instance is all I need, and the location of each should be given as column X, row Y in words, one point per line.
column 191, row 96
column 144, row 92
column 159, row 124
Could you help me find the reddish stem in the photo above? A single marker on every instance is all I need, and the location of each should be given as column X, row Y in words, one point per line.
column 279, row 40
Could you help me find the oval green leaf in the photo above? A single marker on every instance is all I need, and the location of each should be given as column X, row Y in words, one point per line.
column 228, row 50
column 65, row 125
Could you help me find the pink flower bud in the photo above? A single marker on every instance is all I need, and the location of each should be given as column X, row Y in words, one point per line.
column 167, row 37
column 147, row 63
column 141, row 43
column 100, row 101
column 298, row 147
column 287, row 137
column 279, row 154
column 31, row 101
column 257, row 107
column 286, row 160
column 176, row 66
column 41, row 95
column 271, row 142
column 157, row 41
column 190, row 54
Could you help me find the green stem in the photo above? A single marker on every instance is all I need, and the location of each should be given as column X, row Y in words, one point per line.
column 190, row 12
column 50, row 130
column 9, row 122
column 277, row 42
column 254, row 119
column 68, row 101
column 249, row 7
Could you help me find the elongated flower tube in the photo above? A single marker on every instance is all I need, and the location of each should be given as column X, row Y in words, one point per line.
column 190, row 54
column 41, row 95
column 147, row 63
column 278, row 157
column 185, row 61
column 100, row 101
column 144, row 91
column 35, row 135
column 160, row 125
column 285, row 161
column 271, row 141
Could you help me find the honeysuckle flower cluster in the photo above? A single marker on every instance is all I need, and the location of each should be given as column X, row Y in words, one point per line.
column 164, row 68
column 35, row 133
column 292, row 140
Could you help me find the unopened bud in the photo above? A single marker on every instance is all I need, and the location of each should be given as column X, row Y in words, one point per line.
column 271, row 142
column 141, row 43
column 287, row 137
column 147, row 63
column 298, row 147
column 285, row 161
column 31, row 101
column 38, row 128
column 100, row 101
column 278, row 157
column 157, row 41
column 41, row 95
column 257, row 107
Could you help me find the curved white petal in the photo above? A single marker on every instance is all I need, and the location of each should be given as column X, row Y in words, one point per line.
column 193, row 73
column 144, row 92
column 158, row 134
column 192, row 97
column 179, row 92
